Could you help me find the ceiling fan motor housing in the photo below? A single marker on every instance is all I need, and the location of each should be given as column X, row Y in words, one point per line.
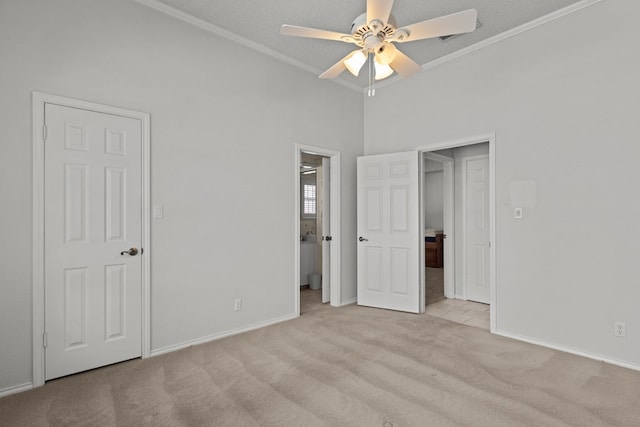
column 371, row 35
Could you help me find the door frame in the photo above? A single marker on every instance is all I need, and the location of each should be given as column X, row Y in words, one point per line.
column 448, row 219
column 39, row 100
column 477, row 139
column 334, row 220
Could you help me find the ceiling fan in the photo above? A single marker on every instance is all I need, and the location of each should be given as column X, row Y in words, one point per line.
column 375, row 31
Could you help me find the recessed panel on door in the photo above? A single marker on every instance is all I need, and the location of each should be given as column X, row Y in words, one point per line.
column 374, row 209
column 373, row 257
column 115, row 282
column 115, row 203
column 399, row 169
column 115, row 141
column 399, row 208
column 75, row 203
column 75, row 307
column 400, row 271
column 75, row 137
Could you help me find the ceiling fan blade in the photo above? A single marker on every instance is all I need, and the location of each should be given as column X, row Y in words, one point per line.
column 335, row 69
column 379, row 9
column 404, row 65
column 293, row 30
column 456, row 23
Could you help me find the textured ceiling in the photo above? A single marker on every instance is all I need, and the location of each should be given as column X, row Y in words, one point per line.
column 260, row 21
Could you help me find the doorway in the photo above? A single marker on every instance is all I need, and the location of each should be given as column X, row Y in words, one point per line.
column 317, row 227
column 458, row 215
column 91, row 236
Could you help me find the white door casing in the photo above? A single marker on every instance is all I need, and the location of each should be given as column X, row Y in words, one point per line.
column 93, row 211
column 476, row 229
column 325, row 210
column 388, row 231
column 334, row 220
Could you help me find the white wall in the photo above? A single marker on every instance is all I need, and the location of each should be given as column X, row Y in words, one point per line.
column 224, row 123
column 434, row 199
column 563, row 100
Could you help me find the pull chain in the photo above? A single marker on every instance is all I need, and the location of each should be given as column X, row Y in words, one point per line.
column 372, row 89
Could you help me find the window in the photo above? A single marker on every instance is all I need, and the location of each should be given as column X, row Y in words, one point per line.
column 308, row 199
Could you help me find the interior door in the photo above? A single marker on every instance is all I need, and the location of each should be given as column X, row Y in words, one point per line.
column 388, row 231
column 476, row 229
column 326, row 231
column 93, row 216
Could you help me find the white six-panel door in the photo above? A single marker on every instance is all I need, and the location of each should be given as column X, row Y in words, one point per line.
column 476, row 230
column 388, row 232
column 93, row 212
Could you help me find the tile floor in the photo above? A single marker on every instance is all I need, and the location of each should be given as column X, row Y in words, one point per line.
column 467, row 312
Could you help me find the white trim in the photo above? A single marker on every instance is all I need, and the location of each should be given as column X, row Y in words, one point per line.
column 39, row 100
column 569, row 350
column 499, row 37
column 220, row 335
column 334, row 220
column 15, row 389
column 491, row 139
column 221, row 32
column 349, row 301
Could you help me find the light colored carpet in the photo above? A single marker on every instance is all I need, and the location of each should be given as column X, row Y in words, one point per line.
column 349, row 366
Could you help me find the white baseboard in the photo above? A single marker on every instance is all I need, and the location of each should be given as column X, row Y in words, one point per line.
column 15, row 389
column 588, row 355
column 220, row 335
column 349, row 301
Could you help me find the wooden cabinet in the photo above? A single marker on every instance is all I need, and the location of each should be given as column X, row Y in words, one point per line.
column 433, row 254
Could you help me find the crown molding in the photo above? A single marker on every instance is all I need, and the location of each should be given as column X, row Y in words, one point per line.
column 207, row 26
column 221, row 32
column 500, row 37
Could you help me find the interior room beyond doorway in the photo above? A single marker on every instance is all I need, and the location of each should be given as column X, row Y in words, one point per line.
column 313, row 210
column 456, row 231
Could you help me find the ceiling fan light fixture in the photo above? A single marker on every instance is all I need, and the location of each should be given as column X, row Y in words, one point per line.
column 382, row 70
column 355, row 62
column 386, row 54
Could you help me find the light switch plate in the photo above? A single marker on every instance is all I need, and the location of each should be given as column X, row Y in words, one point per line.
column 517, row 213
column 157, row 211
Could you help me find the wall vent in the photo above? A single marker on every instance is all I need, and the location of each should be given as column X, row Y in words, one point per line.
column 453, row 36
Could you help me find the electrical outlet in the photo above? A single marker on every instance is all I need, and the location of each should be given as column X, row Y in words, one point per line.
column 237, row 305
column 620, row 329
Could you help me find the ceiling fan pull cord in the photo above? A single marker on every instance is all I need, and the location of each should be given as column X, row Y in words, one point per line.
column 372, row 89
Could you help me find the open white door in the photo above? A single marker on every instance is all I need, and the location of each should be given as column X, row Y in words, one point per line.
column 326, row 231
column 388, row 231
column 476, row 229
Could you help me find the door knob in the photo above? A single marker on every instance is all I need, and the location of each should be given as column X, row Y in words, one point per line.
column 130, row 252
column 362, row 239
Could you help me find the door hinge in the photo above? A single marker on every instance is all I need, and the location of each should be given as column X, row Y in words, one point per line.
column 44, row 339
column 44, row 132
